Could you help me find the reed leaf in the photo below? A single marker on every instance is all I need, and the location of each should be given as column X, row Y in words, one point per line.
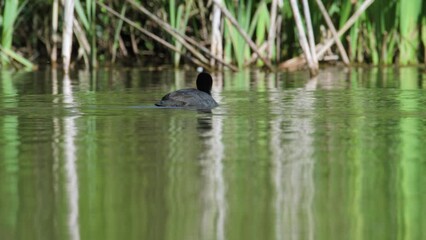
column 84, row 19
column 10, row 53
column 409, row 16
column 423, row 30
column 178, row 19
column 10, row 14
column 91, row 10
column 178, row 45
column 353, row 40
column 240, row 48
column 372, row 43
column 233, row 45
column 345, row 11
column 260, row 24
column 391, row 46
column 87, row 17
column 117, row 32
column 388, row 22
column 227, row 50
column 172, row 11
column 387, row 28
column 356, row 39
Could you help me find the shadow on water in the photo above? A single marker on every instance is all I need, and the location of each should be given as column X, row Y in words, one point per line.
column 334, row 157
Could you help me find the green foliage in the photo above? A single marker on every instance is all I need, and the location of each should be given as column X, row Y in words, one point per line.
column 424, row 36
column 117, row 32
column 10, row 14
column 87, row 17
column 260, row 24
column 242, row 13
column 389, row 31
column 344, row 11
column 8, row 53
column 254, row 19
column 179, row 14
column 409, row 18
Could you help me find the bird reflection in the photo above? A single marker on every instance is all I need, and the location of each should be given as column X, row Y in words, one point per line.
column 204, row 121
column 210, row 129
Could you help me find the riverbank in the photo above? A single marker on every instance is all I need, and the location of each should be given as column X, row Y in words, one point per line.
column 217, row 34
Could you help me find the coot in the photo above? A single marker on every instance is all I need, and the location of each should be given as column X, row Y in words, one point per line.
column 199, row 98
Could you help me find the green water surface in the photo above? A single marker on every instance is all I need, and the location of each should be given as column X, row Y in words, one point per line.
column 341, row 156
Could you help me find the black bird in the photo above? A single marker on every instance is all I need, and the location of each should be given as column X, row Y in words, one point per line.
column 199, row 98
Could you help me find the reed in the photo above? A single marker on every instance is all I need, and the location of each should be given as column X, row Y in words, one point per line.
column 423, row 30
column 117, row 32
column 307, row 50
column 178, row 20
column 9, row 16
column 246, row 32
column 87, row 16
column 55, row 37
column 242, row 37
column 11, row 54
column 261, row 26
column 235, row 41
column 91, row 13
column 216, row 46
column 409, row 44
column 273, row 22
column 67, row 34
column 333, row 30
column 11, row 12
column 385, row 26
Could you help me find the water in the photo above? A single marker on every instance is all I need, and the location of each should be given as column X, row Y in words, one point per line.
column 341, row 156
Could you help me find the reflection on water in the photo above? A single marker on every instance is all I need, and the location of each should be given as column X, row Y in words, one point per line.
column 70, row 132
column 87, row 156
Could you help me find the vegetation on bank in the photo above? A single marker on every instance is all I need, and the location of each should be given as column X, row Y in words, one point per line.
column 213, row 33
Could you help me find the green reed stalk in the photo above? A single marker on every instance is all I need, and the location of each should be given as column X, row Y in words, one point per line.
column 392, row 45
column 388, row 47
column 232, row 45
column 179, row 20
column 409, row 30
column 172, row 11
column 117, row 32
column 9, row 17
column 227, row 50
column 172, row 22
column 261, row 25
column 178, row 45
column 91, row 13
column 345, row 12
column 11, row 12
column 11, row 54
column 240, row 49
column 372, row 43
column 423, row 27
column 87, row 17
column 80, row 32
column 81, row 14
column 230, row 40
column 384, row 19
column 353, row 40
